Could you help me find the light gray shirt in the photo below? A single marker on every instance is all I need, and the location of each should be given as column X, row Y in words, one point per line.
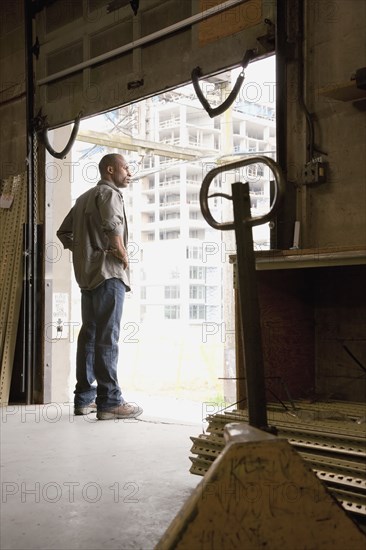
column 95, row 215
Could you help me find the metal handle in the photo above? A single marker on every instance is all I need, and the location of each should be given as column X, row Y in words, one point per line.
column 279, row 190
column 62, row 154
column 214, row 111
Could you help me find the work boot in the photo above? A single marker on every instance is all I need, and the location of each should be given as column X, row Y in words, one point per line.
column 85, row 409
column 127, row 410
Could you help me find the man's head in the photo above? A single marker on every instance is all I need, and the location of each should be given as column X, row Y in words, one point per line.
column 114, row 168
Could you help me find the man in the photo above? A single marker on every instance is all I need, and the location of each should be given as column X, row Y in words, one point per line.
column 96, row 232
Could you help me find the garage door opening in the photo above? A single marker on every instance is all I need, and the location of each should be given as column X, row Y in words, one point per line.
column 177, row 346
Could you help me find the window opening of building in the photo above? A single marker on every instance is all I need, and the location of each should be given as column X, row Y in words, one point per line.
column 177, row 330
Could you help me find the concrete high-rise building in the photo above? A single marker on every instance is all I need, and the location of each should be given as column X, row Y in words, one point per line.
column 177, row 258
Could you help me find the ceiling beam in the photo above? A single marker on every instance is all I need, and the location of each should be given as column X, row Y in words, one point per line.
column 143, row 146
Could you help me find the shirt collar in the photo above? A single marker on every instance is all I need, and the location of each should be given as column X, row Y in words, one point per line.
column 106, row 182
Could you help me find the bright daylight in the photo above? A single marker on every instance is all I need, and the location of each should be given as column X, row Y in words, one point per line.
column 177, row 333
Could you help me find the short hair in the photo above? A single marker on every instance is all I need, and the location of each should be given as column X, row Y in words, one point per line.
column 107, row 160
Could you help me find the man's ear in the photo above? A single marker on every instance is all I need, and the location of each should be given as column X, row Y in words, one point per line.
column 110, row 169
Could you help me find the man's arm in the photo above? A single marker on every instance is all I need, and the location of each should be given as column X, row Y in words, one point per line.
column 65, row 232
column 110, row 208
column 118, row 250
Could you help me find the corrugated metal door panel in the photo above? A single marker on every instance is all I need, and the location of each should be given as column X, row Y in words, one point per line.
column 72, row 33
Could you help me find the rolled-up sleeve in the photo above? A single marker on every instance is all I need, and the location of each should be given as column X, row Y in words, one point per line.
column 110, row 206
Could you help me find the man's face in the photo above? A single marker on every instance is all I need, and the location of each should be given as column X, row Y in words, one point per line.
column 120, row 173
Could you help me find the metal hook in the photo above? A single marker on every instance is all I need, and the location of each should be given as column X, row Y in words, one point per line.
column 212, row 112
column 62, row 154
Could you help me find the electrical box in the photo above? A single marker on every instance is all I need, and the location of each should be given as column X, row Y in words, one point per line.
column 314, row 172
column 60, row 315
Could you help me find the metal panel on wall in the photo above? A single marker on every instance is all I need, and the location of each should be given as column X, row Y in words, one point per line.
column 97, row 54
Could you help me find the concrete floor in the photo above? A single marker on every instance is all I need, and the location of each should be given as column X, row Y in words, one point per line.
column 77, row 483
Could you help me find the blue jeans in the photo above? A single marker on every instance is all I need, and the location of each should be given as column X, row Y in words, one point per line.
column 97, row 349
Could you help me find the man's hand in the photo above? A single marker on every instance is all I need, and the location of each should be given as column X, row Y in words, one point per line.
column 123, row 258
column 118, row 250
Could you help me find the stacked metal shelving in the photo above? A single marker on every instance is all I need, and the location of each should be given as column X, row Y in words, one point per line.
column 330, row 436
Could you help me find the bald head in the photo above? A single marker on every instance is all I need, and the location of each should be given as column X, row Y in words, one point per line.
column 108, row 160
column 114, row 168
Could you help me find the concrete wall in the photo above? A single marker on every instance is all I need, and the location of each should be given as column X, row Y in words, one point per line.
column 331, row 214
column 58, row 272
